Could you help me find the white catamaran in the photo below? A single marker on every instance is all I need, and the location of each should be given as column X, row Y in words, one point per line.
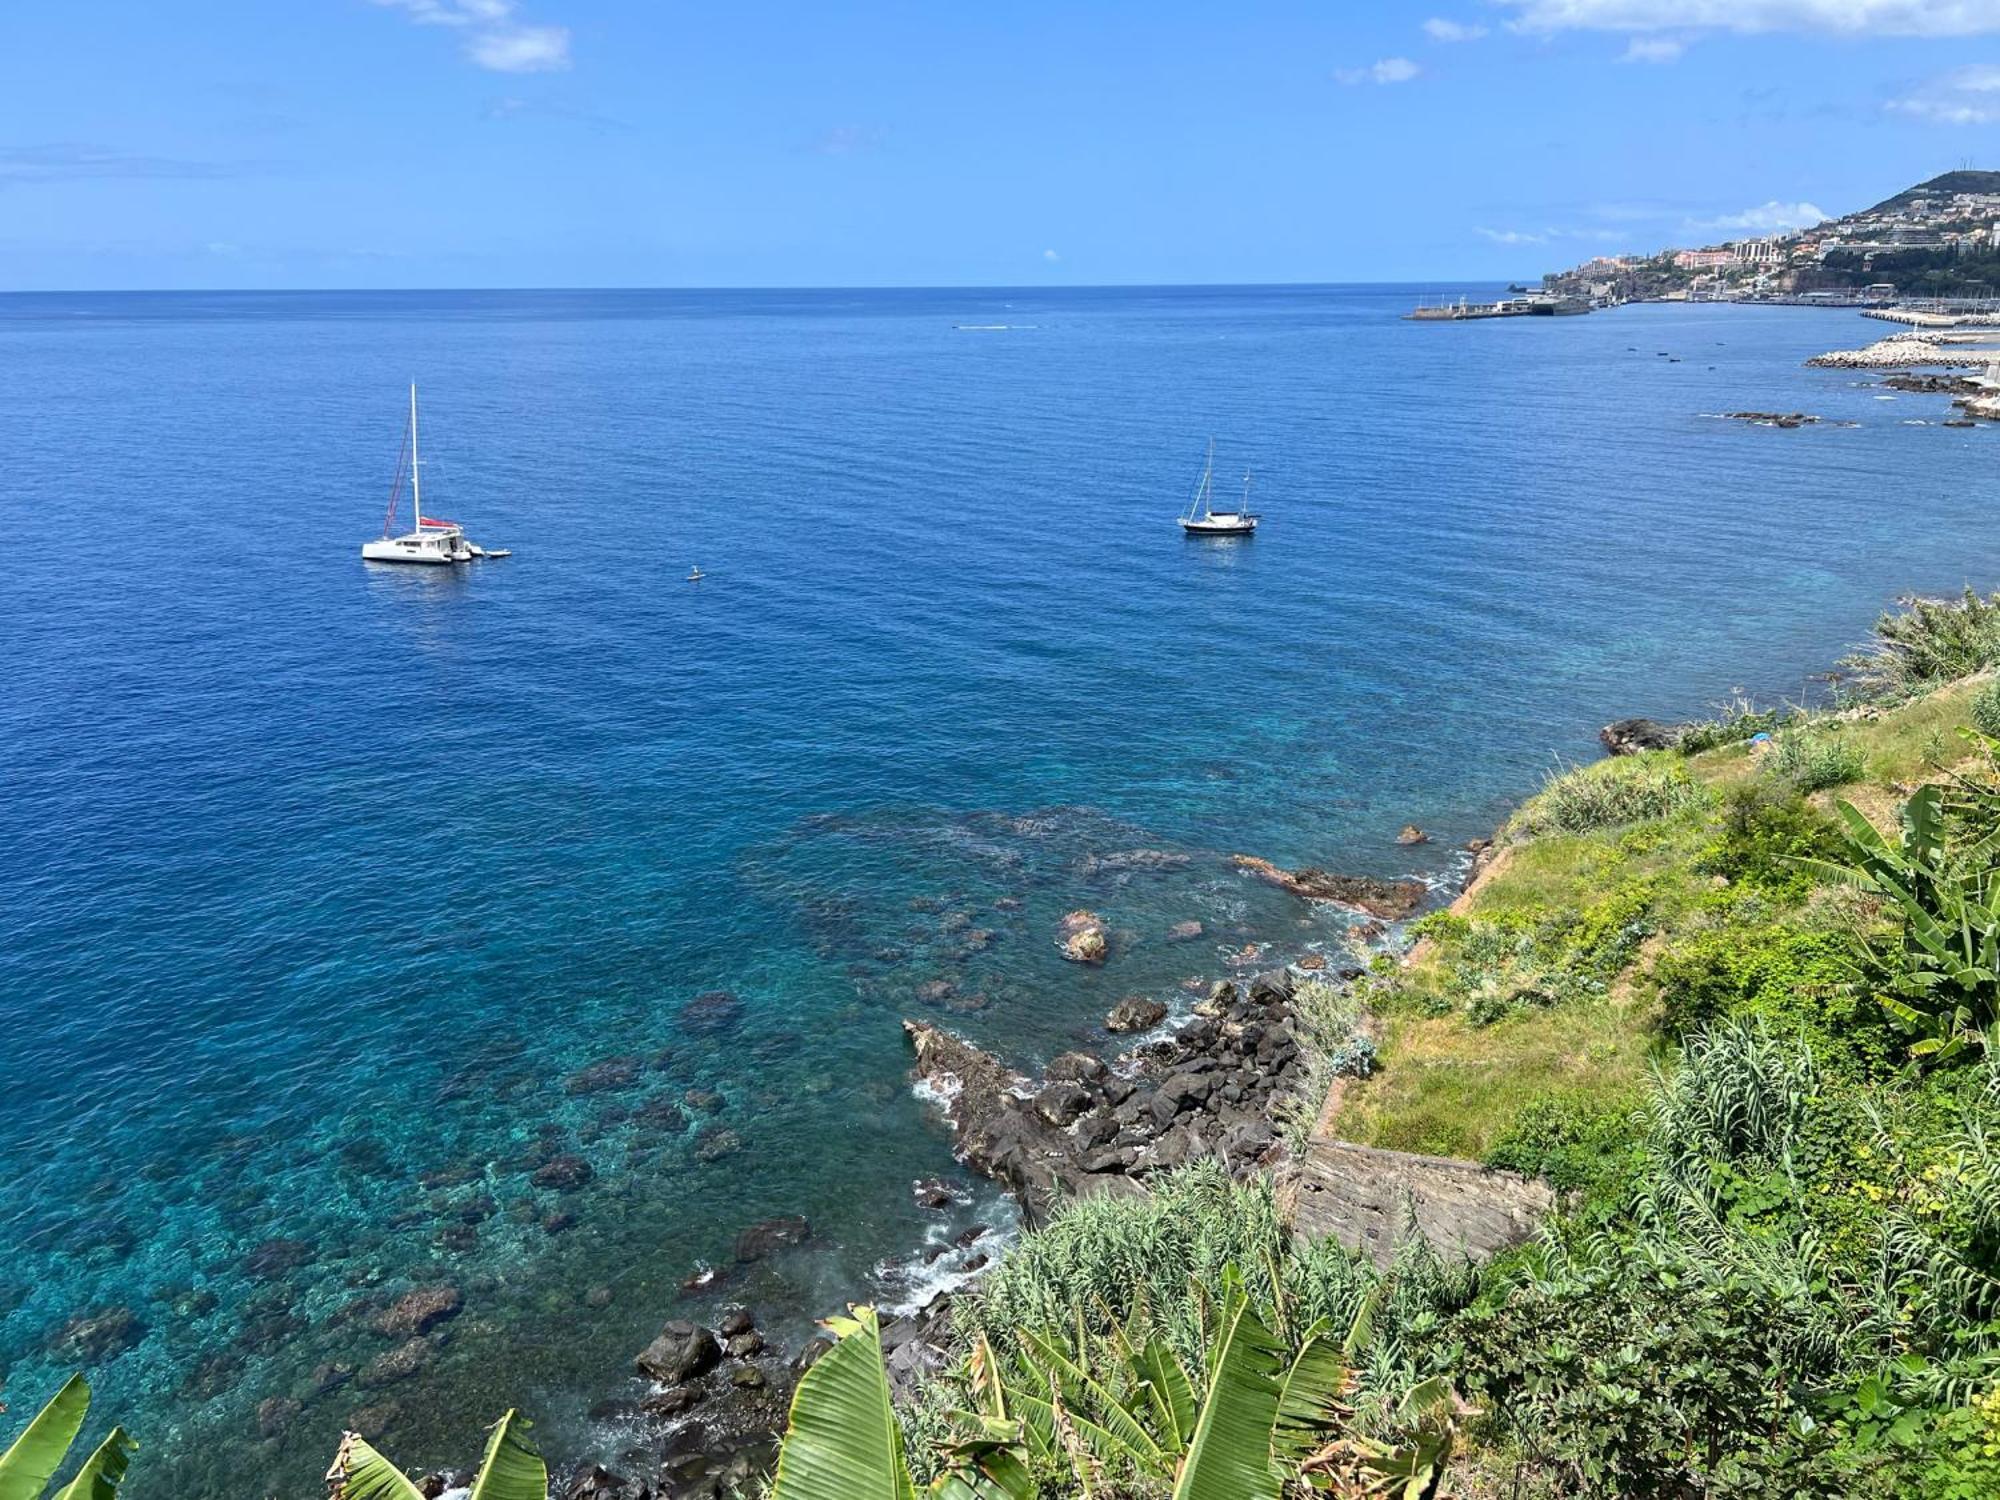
column 1202, row 518
column 429, row 541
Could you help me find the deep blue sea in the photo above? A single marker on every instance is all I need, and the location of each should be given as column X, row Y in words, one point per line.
column 321, row 883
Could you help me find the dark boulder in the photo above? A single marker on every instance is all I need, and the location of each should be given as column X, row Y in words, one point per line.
column 1062, row 1103
column 1632, row 736
column 1075, row 1067
column 1135, row 1013
column 682, row 1351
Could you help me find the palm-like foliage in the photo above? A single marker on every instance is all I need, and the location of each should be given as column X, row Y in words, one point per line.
column 31, row 1461
column 1940, row 977
column 510, row 1470
column 1115, row 1415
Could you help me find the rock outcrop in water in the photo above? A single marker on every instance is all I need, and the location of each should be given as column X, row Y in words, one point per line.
column 1089, row 1127
column 1391, row 900
column 1083, row 938
column 1632, row 736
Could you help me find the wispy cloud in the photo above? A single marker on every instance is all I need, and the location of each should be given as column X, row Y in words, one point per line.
column 1653, row 49
column 1766, row 218
column 496, row 37
column 1388, row 70
column 1440, row 30
column 1920, row 18
column 70, row 161
column 847, row 140
column 514, row 107
column 1964, row 96
column 1515, row 236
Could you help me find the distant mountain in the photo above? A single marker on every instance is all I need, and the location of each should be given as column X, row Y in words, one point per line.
column 1942, row 186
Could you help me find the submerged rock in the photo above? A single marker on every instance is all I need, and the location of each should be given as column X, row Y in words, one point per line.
column 97, row 1336
column 1410, row 834
column 419, row 1311
column 400, row 1363
column 564, row 1173
column 761, row 1239
column 712, row 1010
column 610, row 1073
column 275, row 1257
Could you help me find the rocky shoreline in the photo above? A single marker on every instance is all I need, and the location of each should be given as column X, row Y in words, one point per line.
column 1083, row 1124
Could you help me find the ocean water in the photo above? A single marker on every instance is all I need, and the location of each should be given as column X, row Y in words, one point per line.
column 322, row 884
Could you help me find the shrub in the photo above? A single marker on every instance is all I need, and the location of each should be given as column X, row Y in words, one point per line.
column 1628, row 789
column 1814, row 763
column 1986, row 709
column 1734, row 725
column 1764, row 830
column 1326, row 1020
column 1575, row 1142
column 1930, row 641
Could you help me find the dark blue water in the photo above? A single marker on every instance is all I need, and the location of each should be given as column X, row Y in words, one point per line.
column 319, row 883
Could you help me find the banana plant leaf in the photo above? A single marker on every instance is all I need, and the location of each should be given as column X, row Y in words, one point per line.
column 360, row 1473
column 98, row 1478
column 512, row 1469
column 33, row 1457
column 844, row 1442
column 1229, row 1457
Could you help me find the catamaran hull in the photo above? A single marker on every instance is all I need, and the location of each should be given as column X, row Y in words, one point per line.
column 390, row 552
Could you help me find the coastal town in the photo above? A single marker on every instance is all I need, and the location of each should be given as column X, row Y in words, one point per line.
column 1936, row 242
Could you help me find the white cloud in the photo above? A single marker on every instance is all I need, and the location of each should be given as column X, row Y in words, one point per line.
column 521, row 49
column 495, row 38
column 1514, row 236
column 1653, row 49
column 1440, row 30
column 1388, row 70
column 1923, row 18
column 1767, row 218
column 1050, row 256
column 1964, row 96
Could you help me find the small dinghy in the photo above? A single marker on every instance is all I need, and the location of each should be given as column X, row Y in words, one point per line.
column 696, row 575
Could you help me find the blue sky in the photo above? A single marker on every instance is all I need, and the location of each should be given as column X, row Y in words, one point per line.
column 402, row 143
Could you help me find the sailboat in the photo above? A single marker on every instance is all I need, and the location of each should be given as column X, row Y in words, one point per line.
column 1203, row 519
column 430, row 541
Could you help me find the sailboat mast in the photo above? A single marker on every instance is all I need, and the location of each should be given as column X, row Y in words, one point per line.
column 416, row 473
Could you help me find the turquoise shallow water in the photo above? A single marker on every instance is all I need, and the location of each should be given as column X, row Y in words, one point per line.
column 320, row 884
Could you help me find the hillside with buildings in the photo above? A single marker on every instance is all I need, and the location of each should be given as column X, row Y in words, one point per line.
column 1940, row 238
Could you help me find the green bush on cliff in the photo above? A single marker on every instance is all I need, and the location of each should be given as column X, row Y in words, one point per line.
column 1929, row 642
column 1817, row 762
column 1608, row 794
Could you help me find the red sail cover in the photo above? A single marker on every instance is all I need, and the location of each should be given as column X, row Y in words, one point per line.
column 434, row 521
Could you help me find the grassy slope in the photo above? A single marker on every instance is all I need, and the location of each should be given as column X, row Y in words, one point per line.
column 1451, row 1087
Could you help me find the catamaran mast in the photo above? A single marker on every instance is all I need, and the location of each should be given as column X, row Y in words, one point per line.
column 416, row 475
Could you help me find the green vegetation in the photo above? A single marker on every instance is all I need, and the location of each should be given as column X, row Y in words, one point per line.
column 31, row 1461
column 511, row 1469
column 1582, row 799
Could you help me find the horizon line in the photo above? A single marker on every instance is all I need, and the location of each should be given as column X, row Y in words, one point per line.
column 968, row 286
